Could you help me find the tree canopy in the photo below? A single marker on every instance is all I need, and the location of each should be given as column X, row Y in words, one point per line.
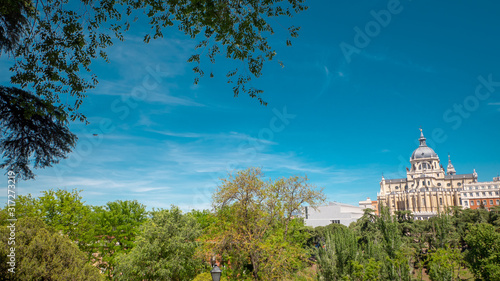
column 33, row 130
column 102, row 232
column 255, row 230
column 117, row 225
column 44, row 254
column 59, row 38
column 61, row 209
column 483, row 252
column 164, row 250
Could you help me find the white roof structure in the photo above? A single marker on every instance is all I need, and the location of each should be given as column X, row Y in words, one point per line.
column 334, row 212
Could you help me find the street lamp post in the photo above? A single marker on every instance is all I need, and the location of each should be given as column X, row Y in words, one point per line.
column 216, row 272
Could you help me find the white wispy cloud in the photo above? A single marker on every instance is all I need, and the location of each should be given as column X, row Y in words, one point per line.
column 407, row 63
column 159, row 173
column 148, row 72
column 123, row 92
column 231, row 136
column 145, row 120
column 156, row 97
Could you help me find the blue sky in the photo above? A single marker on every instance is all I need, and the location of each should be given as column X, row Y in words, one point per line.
column 345, row 108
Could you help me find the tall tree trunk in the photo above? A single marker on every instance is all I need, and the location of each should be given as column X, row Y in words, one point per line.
column 254, row 257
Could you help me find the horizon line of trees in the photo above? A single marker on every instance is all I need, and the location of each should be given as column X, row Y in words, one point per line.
column 250, row 232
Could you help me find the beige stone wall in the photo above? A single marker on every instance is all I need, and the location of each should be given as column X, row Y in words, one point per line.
column 398, row 199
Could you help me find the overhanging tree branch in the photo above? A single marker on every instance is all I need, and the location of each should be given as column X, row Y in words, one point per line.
column 34, row 132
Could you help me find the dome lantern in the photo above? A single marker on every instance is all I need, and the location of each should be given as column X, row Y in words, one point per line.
column 423, row 151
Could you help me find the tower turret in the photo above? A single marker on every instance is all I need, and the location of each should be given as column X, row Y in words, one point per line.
column 450, row 170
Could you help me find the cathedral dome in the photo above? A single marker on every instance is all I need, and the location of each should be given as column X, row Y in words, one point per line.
column 423, row 151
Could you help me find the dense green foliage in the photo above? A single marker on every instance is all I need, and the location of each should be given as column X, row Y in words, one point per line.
column 164, row 249
column 483, row 253
column 118, row 225
column 252, row 234
column 103, row 232
column 42, row 253
column 254, row 229
column 34, row 132
column 373, row 249
column 443, row 264
column 63, row 210
column 458, row 244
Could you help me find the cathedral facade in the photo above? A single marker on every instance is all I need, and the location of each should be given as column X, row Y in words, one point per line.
column 427, row 189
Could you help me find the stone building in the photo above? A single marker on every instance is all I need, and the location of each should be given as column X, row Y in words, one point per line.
column 481, row 193
column 369, row 204
column 427, row 188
